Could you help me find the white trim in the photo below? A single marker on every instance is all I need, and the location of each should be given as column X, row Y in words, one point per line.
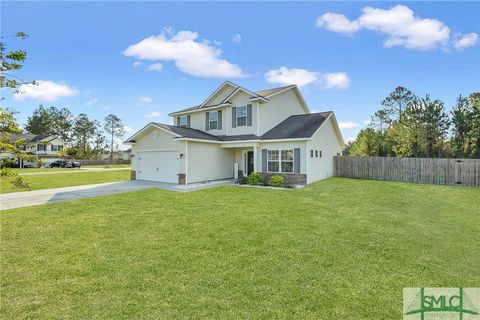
column 335, row 127
column 145, row 128
column 251, row 93
column 218, row 106
column 258, row 118
column 307, row 157
column 217, row 90
column 186, row 162
column 280, row 160
column 255, row 158
column 197, row 140
column 158, row 150
column 297, row 92
column 286, row 140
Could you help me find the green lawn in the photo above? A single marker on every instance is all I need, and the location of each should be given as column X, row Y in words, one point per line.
column 109, row 166
column 338, row 249
column 28, row 170
column 47, row 181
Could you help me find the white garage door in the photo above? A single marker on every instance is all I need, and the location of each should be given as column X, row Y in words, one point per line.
column 160, row 166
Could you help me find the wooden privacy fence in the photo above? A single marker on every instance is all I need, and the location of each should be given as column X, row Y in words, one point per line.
column 464, row 172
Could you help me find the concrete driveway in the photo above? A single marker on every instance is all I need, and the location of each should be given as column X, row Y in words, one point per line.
column 32, row 198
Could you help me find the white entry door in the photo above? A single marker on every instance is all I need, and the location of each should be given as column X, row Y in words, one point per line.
column 162, row 166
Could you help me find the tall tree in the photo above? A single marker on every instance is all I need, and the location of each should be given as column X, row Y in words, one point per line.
column 474, row 101
column 462, row 125
column 40, row 122
column 99, row 142
column 83, row 132
column 367, row 143
column 396, row 102
column 114, row 127
column 62, row 122
column 436, row 124
column 11, row 61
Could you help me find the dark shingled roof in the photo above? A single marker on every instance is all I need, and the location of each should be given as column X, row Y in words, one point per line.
column 28, row 137
column 187, row 132
column 297, row 126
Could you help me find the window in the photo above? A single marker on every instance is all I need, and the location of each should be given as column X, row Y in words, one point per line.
column 213, row 119
column 241, row 116
column 319, row 153
column 316, row 153
column 22, row 147
column 273, row 161
column 57, row 147
column 41, row 147
column 287, row 160
column 280, row 160
column 183, row 121
column 311, row 153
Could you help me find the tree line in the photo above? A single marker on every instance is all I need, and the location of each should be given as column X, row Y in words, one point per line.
column 85, row 138
column 412, row 126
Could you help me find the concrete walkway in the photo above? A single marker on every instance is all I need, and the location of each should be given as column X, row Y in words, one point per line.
column 81, row 170
column 32, row 198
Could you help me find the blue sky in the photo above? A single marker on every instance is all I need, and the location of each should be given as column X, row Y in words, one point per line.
column 347, row 56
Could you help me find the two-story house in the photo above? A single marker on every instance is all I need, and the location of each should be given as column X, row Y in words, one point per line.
column 40, row 146
column 235, row 132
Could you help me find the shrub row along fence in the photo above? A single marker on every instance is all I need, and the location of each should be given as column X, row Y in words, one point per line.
column 464, row 172
column 102, row 162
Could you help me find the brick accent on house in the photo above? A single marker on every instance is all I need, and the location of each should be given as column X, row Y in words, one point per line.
column 181, row 178
column 240, row 174
column 290, row 178
column 133, row 175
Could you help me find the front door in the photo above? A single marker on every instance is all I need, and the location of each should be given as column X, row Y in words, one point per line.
column 249, row 162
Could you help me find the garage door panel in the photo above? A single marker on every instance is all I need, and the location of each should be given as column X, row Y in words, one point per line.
column 162, row 166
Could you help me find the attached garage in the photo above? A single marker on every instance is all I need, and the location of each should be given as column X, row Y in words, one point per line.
column 162, row 166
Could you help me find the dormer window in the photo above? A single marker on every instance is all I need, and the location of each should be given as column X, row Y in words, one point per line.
column 213, row 119
column 241, row 116
column 183, row 121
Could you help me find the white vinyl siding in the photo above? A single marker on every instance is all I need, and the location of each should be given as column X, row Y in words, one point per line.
column 209, row 161
column 325, row 145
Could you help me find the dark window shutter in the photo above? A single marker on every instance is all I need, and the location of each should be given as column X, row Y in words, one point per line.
column 51, row 147
column 219, row 126
column 234, row 117
column 207, row 121
column 249, row 115
column 178, row 121
column 296, row 160
column 188, row 121
column 264, row 160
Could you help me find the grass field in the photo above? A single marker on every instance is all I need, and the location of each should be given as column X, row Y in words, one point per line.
column 337, row 249
column 109, row 166
column 47, row 181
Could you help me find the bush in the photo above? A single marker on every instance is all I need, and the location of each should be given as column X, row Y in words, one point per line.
column 254, row 179
column 277, row 181
column 7, row 172
column 20, row 183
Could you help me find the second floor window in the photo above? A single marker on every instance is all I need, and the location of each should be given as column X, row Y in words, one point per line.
column 213, row 118
column 41, row 147
column 183, row 121
column 241, row 116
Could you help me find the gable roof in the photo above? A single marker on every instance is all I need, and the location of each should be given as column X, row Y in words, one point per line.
column 262, row 95
column 297, row 126
column 301, row 126
column 29, row 137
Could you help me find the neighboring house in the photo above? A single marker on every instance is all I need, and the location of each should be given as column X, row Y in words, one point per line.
column 235, row 132
column 40, row 146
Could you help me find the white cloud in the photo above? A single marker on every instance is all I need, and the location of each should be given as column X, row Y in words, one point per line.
column 367, row 122
column 45, row 91
column 155, row 67
column 350, row 139
column 400, row 24
column 137, row 64
column 302, row 78
column 337, row 23
column 145, row 100
column 153, row 114
column 127, row 129
column 90, row 102
column 348, row 125
column 237, row 38
column 197, row 58
column 106, row 108
column 334, row 80
column 468, row 40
